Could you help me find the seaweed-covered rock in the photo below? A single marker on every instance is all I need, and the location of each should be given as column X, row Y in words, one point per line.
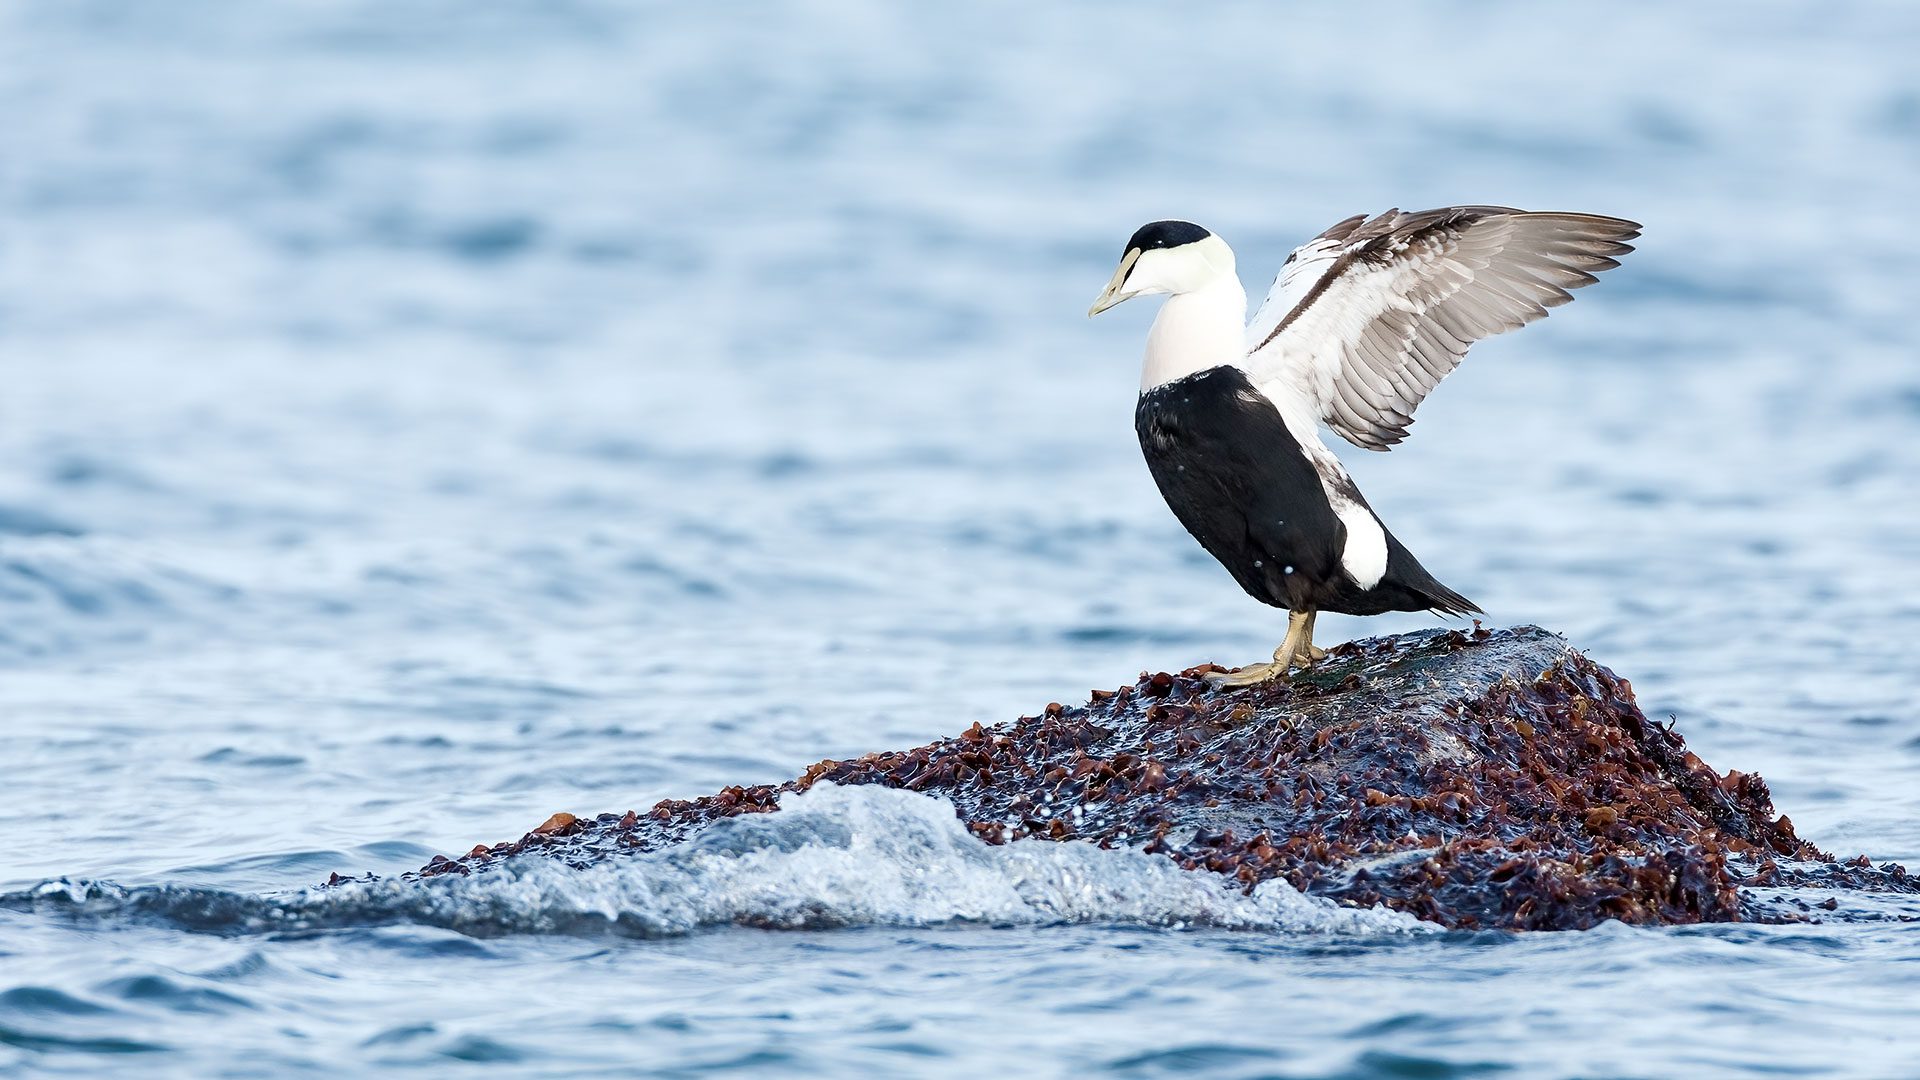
column 1483, row 779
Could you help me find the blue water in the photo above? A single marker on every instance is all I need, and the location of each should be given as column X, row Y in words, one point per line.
column 419, row 418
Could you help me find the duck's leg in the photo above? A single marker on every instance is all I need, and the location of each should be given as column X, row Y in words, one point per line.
column 1308, row 652
column 1283, row 657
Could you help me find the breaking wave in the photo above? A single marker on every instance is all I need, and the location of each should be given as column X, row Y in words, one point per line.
column 832, row 857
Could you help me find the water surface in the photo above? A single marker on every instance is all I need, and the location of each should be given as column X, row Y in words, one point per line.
column 419, row 418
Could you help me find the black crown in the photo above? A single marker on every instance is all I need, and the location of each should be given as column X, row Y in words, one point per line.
column 1166, row 234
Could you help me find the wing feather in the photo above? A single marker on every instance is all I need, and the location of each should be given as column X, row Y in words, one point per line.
column 1368, row 317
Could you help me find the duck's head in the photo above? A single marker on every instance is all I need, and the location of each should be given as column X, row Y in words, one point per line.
column 1170, row 257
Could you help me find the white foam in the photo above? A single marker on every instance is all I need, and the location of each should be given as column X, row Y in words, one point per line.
column 833, row 856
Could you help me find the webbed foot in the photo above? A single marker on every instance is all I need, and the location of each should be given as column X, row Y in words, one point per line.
column 1251, row 675
column 1296, row 649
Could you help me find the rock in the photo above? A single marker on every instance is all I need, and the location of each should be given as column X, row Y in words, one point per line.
column 1477, row 780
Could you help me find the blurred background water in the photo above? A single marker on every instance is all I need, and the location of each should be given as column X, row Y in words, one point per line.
column 417, row 418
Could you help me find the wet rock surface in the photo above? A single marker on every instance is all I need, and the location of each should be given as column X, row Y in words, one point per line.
column 1483, row 779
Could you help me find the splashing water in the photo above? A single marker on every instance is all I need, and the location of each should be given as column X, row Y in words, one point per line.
column 832, row 856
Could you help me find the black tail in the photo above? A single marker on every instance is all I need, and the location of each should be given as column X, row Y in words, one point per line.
column 1405, row 571
column 1446, row 601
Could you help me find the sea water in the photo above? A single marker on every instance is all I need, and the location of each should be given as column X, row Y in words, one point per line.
column 419, row 418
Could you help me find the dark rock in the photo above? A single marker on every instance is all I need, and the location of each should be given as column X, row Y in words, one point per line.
column 1484, row 779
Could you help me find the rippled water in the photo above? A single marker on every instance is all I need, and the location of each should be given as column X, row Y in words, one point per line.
column 419, row 418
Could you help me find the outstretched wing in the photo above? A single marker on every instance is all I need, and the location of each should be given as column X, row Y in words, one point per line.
column 1367, row 318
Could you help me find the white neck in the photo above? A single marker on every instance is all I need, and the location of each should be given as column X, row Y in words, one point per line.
column 1197, row 330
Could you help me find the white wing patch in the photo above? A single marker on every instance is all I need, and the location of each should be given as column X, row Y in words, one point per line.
column 1305, row 267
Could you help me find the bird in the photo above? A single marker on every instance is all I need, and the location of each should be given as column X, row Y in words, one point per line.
column 1360, row 325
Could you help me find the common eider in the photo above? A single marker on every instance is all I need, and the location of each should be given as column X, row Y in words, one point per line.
column 1361, row 324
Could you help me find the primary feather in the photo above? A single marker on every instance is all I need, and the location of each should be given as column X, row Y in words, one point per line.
column 1365, row 319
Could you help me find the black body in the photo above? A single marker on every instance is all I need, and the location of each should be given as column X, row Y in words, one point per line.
column 1238, row 480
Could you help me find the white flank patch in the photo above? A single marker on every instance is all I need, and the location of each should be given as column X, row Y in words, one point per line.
column 1365, row 556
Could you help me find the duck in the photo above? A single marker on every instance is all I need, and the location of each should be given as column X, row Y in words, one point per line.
column 1361, row 324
